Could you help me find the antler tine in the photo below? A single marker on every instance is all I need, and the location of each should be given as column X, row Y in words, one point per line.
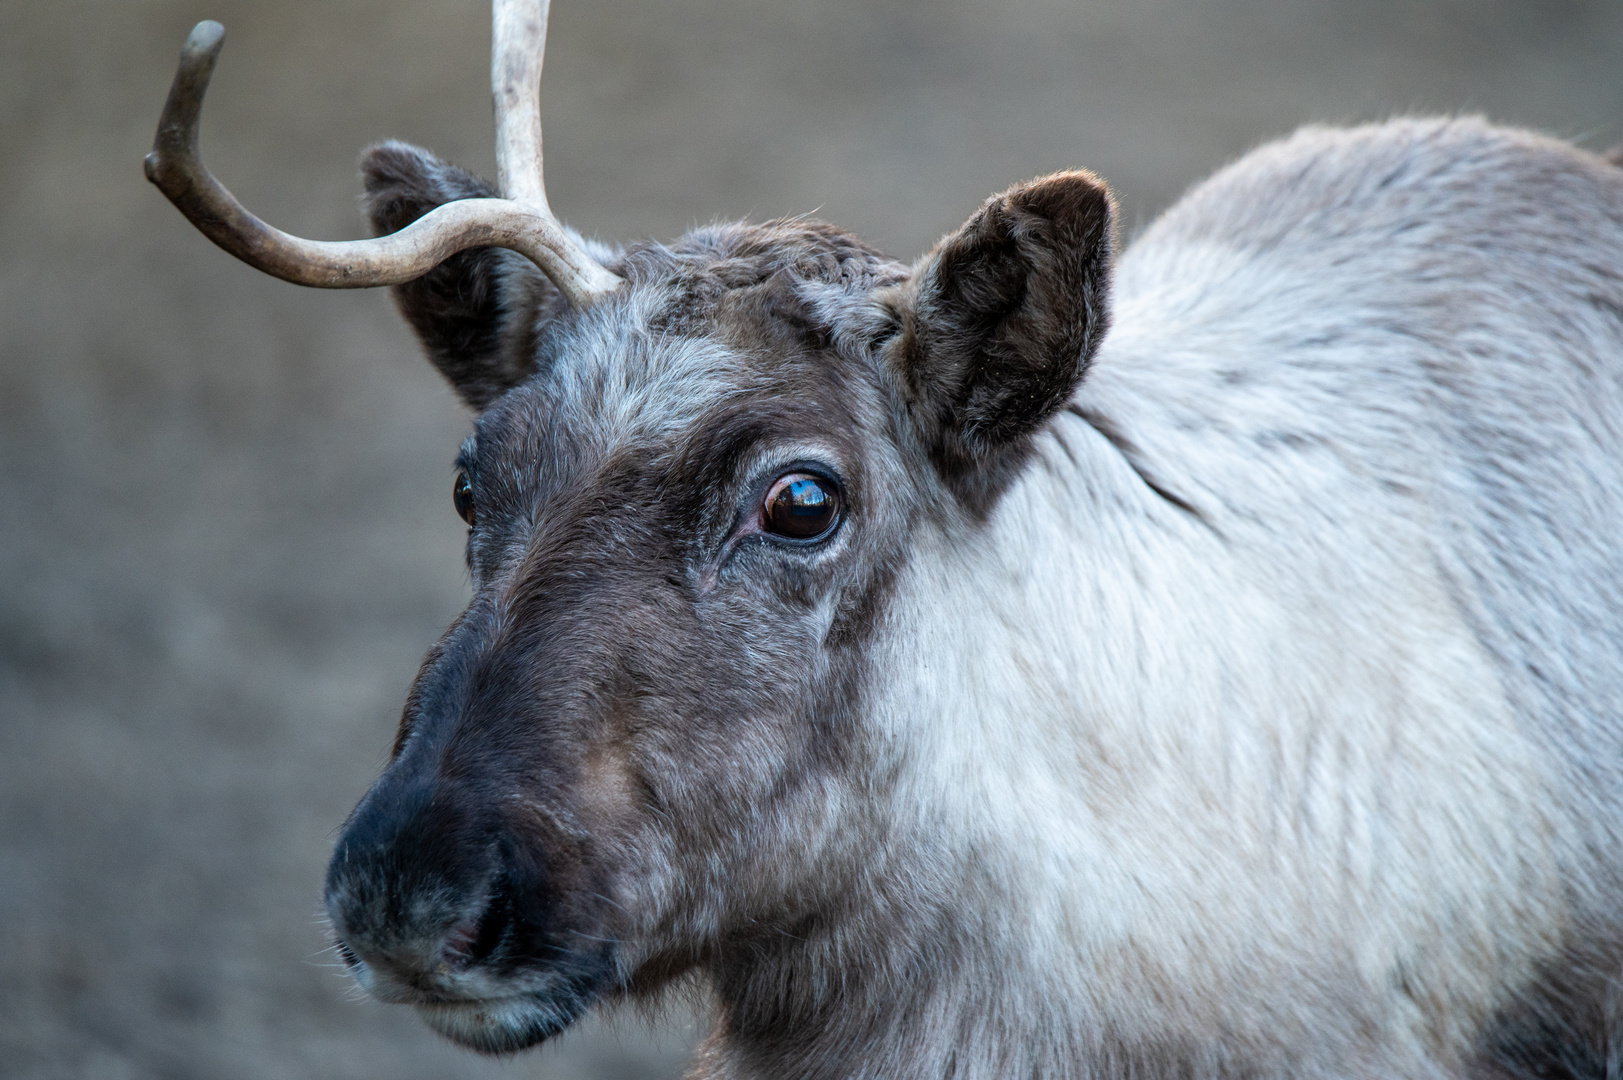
column 523, row 224
column 518, row 41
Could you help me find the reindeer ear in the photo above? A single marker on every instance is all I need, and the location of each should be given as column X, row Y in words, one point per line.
column 998, row 323
column 477, row 312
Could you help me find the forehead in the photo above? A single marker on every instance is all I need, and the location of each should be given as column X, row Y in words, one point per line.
column 732, row 330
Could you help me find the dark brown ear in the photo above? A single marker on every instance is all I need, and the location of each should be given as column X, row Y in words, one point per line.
column 476, row 313
column 998, row 323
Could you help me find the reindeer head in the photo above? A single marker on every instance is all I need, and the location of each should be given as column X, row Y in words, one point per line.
column 697, row 476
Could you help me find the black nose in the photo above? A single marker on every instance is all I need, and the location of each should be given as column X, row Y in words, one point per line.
column 418, row 890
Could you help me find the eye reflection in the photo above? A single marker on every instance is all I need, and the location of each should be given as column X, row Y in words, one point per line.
column 802, row 506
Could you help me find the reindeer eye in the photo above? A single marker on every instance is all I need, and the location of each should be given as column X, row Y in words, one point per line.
column 802, row 506
column 462, row 498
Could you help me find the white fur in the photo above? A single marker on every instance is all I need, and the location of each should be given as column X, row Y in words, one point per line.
column 1269, row 781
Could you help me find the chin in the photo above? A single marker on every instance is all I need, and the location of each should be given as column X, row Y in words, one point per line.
column 501, row 1025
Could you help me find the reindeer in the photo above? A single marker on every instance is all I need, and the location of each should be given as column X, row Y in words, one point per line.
column 1026, row 662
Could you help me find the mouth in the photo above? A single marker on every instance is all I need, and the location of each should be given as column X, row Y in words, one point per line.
column 477, row 1011
column 501, row 1025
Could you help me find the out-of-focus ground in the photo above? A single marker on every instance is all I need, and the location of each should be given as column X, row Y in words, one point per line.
column 226, row 533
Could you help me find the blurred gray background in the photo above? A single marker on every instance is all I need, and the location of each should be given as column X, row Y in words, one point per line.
column 226, row 533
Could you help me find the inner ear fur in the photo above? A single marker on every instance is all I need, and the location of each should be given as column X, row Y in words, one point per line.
column 477, row 312
column 998, row 322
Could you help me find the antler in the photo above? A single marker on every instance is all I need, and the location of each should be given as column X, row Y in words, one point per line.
column 521, row 221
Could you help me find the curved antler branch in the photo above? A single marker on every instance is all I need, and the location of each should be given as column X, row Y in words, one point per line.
column 522, row 222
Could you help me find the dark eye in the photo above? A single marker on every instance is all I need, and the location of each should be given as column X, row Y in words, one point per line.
column 802, row 506
column 462, row 497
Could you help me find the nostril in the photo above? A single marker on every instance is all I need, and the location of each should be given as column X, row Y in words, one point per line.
column 476, row 939
column 459, row 943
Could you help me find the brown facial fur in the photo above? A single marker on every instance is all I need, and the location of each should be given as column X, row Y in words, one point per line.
column 642, row 747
